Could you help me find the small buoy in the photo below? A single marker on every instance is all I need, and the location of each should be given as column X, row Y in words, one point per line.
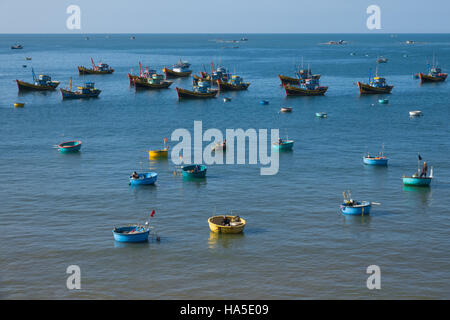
column 19, row 105
column 158, row 238
column 226, row 99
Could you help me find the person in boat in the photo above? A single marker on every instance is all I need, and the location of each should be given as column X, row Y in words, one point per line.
column 280, row 141
column 424, row 171
column 224, row 144
column 135, row 175
column 226, row 221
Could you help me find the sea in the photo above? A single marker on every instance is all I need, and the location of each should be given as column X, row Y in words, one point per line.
column 59, row 210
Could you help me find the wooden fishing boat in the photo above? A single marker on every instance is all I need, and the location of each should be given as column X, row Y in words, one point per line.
column 321, row 115
column 435, row 75
column 194, row 171
column 101, row 68
column 155, row 82
column 226, row 224
column 219, row 73
column 304, row 91
column 83, row 92
column 144, row 74
column 201, row 91
column 69, row 146
column 376, row 85
column 286, row 109
column 301, row 76
column 288, row 80
column 353, row 207
column 19, row 105
column 145, row 178
column 41, row 83
column 283, row 145
column 179, row 70
column 236, row 84
column 132, row 233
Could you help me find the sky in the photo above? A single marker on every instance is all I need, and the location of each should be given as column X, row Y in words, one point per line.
column 229, row 16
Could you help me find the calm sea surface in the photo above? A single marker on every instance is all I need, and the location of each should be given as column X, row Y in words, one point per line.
column 59, row 210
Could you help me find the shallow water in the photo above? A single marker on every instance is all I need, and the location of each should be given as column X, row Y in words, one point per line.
column 58, row 210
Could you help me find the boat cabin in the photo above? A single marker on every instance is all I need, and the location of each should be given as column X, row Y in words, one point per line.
column 236, row 80
column 43, row 80
column 102, row 67
column 181, row 66
column 378, row 82
column 203, row 86
column 310, row 84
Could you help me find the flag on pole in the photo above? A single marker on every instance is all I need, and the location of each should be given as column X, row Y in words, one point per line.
column 420, row 158
column 165, row 140
column 152, row 214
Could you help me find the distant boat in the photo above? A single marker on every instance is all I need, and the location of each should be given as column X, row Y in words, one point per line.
column 383, row 101
column 376, row 85
column 435, row 74
column 321, row 114
column 409, row 42
column 17, row 46
column 235, row 84
column 382, row 59
column 145, row 178
column 264, row 102
column 283, row 145
column 19, row 105
column 416, row 179
column 83, row 92
column 220, row 146
column 201, row 91
column 286, row 109
column 179, row 70
column 416, row 113
column 226, row 224
column 194, row 171
column 101, row 68
column 226, row 99
column 379, row 160
column 69, row 146
column 28, row 58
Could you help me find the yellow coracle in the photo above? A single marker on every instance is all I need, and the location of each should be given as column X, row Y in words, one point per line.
column 236, row 225
column 156, row 154
column 19, row 105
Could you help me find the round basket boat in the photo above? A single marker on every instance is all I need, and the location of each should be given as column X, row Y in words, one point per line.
column 226, row 224
column 70, row 146
column 132, row 233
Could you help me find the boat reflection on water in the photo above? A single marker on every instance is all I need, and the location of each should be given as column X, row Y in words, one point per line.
column 356, row 220
column 133, row 245
column 417, row 193
column 224, row 240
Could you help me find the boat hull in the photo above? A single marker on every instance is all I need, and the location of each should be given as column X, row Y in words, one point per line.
column 189, row 173
column 25, row 86
column 285, row 146
column 288, row 80
column 174, row 74
column 428, row 78
column 66, row 94
column 120, row 236
column 375, row 162
column 83, row 70
column 148, row 178
column 360, row 210
column 186, row 94
column 140, row 83
column 416, row 181
column 157, row 154
column 367, row 89
column 226, row 86
column 232, row 229
column 69, row 146
column 297, row 91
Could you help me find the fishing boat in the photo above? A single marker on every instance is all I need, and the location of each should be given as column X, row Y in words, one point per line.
column 222, row 146
column 235, row 84
column 383, row 101
column 145, row 178
column 69, row 146
column 382, row 59
column 19, row 105
column 301, row 76
column 218, row 73
column 194, row 171
column 376, row 85
column 28, row 58
column 83, row 92
column 226, row 99
column 16, row 46
column 286, row 109
column 156, row 81
column 416, row 113
column 434, row 75
column 353, row 207
column 419, row 179
column 321, row 114
column 283, row 145
column 101, row 68
column 264, row 102
column 201, row 91
column 309, row 87
column 378, row 160
column 132, row 233
column 41, row 83
column 159, row 153
column 179, row 70
column 226, row 224
column 144, row 74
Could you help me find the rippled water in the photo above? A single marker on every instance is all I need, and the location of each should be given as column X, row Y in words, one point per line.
column 58, row 210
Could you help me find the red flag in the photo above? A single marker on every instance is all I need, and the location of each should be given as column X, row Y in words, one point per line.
column 153, row 212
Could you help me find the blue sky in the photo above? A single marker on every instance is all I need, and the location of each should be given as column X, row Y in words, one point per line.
column 230, row 16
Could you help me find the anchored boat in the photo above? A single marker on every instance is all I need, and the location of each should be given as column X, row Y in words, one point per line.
column 415, row 113
column 300, row 76
column 19, row 105
column 420, row 178
column 220, row 146
column 143, row 74
column 83, row 92
column 181, row 69
column 382, row 59
column 159, row 153
column 145, row 178
column 201, row 91
column 17, row 46
column 69, row 146
column 309, row 87
column 435, row 74
column 41, row 83
column 321, row 114
column 226, row 224
column 283, row 145
column 101, row 68
column 235, row 84
column 156, row 81
column 379, row 160
column 376, row 85
column 353, row 207
column 219, row 73
column 133, row 232
column 286, row 109
column 194, row 171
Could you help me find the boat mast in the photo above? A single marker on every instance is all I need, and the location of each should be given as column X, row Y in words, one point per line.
column 70, row 84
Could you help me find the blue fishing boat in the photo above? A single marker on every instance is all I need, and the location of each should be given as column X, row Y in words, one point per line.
column 69, row 146
column 420, row 178
column 194, row 171
column 143, row 178
column 283, row 145
column 83, row 92
column 353, row 207
column 132, row 233
column 264, row 102
column 379, row 160
column 383, row 101
column 321, row 114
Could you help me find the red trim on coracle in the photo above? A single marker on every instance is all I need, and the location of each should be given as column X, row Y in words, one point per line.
column 66, row 147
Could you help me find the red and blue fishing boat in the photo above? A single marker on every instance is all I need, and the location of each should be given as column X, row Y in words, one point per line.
column 83, row 92
column 179, row 70
column 143, row 75
column 69, row 146
column 308, row 87
column 434, row 74
column 101, row 68
column 41, row 83
column 376, row 85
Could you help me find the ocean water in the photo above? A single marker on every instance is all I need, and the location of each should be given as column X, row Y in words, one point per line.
column 59, row 210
